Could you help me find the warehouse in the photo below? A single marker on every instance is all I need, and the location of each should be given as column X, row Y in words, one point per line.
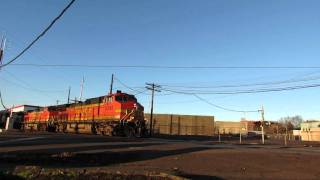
column 310, row 131
column 177, row 124
column 174, row 124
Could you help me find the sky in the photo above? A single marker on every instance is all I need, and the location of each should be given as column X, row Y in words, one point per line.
column 165, row 33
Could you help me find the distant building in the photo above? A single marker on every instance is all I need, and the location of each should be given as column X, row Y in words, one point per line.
column 229, row 127
column 176, row 124
column 24, row 108
column 310, row 131
column 15, row 115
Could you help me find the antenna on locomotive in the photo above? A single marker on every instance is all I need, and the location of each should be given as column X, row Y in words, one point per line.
column 111, row 84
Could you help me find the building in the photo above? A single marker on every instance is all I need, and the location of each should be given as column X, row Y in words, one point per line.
column 229, row 127
column 14, row 116
column 24, row 108
column 310, row 131
column 175, row 124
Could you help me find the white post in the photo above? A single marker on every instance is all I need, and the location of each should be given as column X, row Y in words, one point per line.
column 285, row 139
column 8, row 119
column 7, row 123
column 262, row 124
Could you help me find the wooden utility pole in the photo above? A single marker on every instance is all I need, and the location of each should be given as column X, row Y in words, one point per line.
column 69, row 94
column 262, row 124
column 111, row 84
column 152, row 87
column 2, row 46
column 286, row 135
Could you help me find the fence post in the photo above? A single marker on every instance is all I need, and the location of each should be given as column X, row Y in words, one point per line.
column 285, row 139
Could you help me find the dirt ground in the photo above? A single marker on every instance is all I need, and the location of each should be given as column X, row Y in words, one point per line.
column 74, row 156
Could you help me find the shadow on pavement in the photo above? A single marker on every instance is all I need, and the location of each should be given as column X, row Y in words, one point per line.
column 87, row 160
column 83, row 148
column 202, row 177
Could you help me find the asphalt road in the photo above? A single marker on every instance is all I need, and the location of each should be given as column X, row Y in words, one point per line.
column 196, row 159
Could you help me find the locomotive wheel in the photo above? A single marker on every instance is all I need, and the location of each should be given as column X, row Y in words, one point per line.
column 93, row 128
column 129, row 131
column 108, row 131
column 138, row 132
column 64, row 128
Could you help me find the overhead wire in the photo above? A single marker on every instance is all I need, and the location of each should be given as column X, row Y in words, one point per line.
column 139, row 91
column 246, row 85
column 250, row 91
column 123, row 84
column 224, row 108
column 197, row 96
column 29, row 87
column 165, row 67
column 2, row 103
column 40, row 35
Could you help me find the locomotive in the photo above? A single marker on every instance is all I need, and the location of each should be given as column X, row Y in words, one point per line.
column 117, row 114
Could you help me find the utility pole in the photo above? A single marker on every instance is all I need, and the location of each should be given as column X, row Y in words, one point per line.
column 81, row 88
column 2, row 46
column 69, row 94
column 111, row 84
column 153, row 87
column 262, row 124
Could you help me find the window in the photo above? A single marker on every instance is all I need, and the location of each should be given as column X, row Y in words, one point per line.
column 109, row 99
column 119, row 98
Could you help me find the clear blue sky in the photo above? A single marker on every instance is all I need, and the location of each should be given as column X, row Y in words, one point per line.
column 165, row 32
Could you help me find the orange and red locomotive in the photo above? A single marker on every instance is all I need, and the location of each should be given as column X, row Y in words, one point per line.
column 115, row 114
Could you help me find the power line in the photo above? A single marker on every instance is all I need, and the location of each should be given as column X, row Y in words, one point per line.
column 28, row 86
column 40, row 35
column 165, row 67
column 252, row 91
column 221, row 107
column 215, row 105
column 1, row 100
column 246, row 85
column 139, row 92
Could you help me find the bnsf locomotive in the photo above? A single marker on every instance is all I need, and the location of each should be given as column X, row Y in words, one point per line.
column 117, row 114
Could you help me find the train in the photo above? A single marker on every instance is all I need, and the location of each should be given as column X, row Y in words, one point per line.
column 115, row 114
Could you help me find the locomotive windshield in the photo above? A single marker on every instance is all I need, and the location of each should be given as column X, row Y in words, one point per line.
column 125, row 98
column 121, row 98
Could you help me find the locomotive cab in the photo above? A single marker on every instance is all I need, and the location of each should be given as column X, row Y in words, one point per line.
column 130, row 108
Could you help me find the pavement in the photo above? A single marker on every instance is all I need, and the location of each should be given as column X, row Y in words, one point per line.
column 194, row 159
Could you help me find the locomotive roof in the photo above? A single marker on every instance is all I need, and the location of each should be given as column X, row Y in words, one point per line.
column 87, row 101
